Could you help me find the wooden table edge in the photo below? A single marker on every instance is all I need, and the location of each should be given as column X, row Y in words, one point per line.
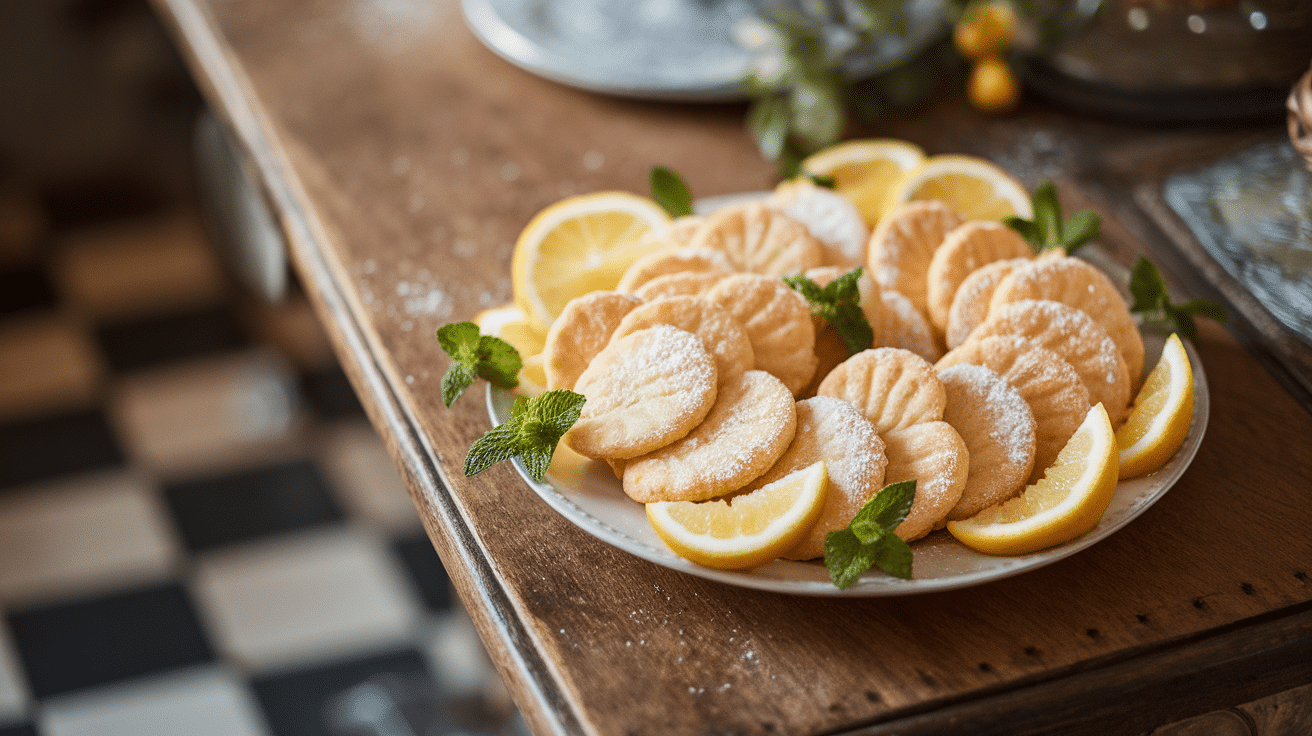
column 537, row 691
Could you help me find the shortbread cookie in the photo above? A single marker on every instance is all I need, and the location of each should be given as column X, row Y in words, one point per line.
column 1048, row 384
column 686, row 283
column 832, row 218
column 893, row 388
column 643, row 392
column 580, row 332
column 748, row 429
column 674, row 260
column 778, row 324
column 998, row 428
column 901, row 325
column 935, row 457
column 721, row 334
column 969, row 246
column 970, row 305
column 758, row 238
column 1081, row 285
column 1080, row 341
column 901, row 247
column 833, row 431
column 676, row 235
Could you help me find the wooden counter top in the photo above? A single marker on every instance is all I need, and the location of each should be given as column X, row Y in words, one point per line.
column 403, row 158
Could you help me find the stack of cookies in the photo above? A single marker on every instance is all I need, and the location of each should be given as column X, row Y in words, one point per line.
column 707, row 375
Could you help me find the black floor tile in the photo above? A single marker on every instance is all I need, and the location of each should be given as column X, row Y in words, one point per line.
column 157, row 340
column 24, row 288
column 329, row 393
column 212, row 512
column 76, row 645
column 305, row 702
column 425, row 568
column 19, row 729
column 100, row 199
column 53, row 446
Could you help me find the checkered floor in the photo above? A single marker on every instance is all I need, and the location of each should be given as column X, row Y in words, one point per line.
column 199, row 531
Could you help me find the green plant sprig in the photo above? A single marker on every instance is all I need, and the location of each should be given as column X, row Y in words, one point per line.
column 532, row 433
column 1151, row 299
column 870, row 541
column 670, row 191
column 839, row 302
column 1048, row 230
column 476, row 356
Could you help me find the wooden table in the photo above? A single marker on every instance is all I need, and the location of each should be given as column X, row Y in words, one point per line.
column 402, row 158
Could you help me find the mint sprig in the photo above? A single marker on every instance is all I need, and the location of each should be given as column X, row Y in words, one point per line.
column 670, row 191
column 1047, row 230
column 1151, row 300
column 869, row 540
column 532, row 433
column 476, row 356
column 838, row 302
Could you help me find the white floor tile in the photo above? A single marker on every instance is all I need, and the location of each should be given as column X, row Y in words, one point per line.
column 456, row 654
column 365, row 479
column 193, row 415
column 80, row 535
column 305, row 598
column 205, row 702
column 13, row 686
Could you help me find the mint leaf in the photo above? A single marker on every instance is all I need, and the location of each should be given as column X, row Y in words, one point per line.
column 839, row 303
column 884, row 512
column 822, row 180
column 1047, row 230
column 1148, row 288
column 870, row 539
column 532, row 433
column 670, row 191
column 846, row 557
column 474, row 355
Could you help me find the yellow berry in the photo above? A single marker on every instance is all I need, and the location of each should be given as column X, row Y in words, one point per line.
column 992, row 86
column 986, row 30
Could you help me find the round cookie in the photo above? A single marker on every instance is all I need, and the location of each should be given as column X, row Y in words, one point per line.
column 893, row 388
column 832, row 218
column 969, row 246
column 758, row 238
column 720, row 333
column 901, row 325
column 998, row 428
column 748, row 429
column 970, row 305
column 1079, row 340
column 1049, row 385
column 673, row 260
column 833, row 431
column 684, row 283
column 643, row 392
column 778, row 324
column 903, row 244
column 580, row 332
column 933, row 455
column 1081, row 285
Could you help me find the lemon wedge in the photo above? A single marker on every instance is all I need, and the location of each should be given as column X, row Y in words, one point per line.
column 754, row 529
column 1066, row 502
column 866, row 171
column 579, row 245
column 1161, row 414
column 975, row 187
column 511, row 324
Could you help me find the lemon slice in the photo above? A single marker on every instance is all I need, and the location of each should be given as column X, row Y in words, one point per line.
column 748, row 530
column 975, row 187
column 579, row 245
column 1066, row 502
column 866, row 171
column 1161, row 415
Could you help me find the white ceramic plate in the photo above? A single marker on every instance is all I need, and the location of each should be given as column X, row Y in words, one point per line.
column 589, row 496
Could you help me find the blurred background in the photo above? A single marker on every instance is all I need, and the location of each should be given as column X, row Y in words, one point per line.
column 200, row 532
